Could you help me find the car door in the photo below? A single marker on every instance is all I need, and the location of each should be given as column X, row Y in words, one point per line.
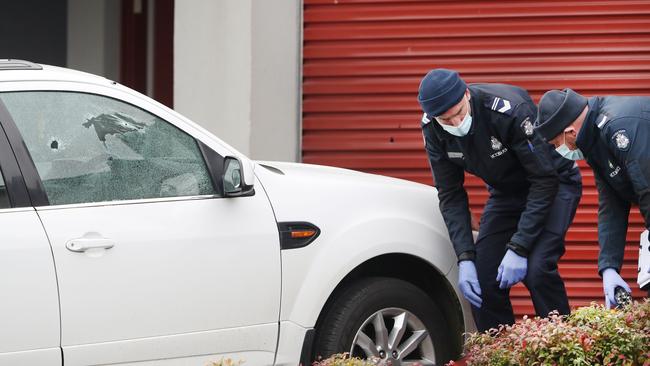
column 29, row 309
column 152, row 262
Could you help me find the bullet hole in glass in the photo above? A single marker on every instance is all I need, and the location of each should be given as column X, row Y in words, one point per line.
column 54, row 145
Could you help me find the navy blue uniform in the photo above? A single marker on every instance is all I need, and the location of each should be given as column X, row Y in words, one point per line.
column 614, row 139
column 534, row 193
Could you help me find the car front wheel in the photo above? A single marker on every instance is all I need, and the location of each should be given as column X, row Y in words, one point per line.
column 385, row 318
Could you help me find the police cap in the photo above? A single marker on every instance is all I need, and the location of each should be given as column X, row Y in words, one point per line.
column 557, row 109
column 440, row 89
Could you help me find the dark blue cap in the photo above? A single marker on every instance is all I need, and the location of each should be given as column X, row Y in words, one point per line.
column 557, row 110
column 440, row 89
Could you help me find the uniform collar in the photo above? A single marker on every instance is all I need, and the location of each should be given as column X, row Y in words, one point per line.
column 589, row 132
column 474, row 104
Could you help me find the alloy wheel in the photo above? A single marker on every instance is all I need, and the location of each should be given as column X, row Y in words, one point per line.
column 395, row 336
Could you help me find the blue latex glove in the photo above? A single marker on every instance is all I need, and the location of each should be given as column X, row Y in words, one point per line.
column 468, row 283
column 512, row 269
column 611, row 279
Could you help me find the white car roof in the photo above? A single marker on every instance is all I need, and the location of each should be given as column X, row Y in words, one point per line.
column 19, row 70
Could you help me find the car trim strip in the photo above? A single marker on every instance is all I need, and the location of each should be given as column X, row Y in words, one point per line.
column 16, row 209
column 25, row 162
column 138, row 201
column 214, row 163
column 13, row 177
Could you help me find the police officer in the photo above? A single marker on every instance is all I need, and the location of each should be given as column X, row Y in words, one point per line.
column 612, row 133
column 487, row 130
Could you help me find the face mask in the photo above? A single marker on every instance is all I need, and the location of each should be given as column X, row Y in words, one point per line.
column 462, row 129
column 568, row 153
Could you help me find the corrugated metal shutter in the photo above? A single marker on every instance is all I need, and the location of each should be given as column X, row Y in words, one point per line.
column 363, row 60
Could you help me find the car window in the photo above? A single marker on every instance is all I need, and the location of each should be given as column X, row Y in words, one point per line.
column 90, row 148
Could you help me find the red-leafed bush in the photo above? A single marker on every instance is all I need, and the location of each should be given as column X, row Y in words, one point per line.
column 589, row 336
column 343, row 359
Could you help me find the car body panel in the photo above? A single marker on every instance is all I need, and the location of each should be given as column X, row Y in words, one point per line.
column 290, row 344
column 361, row 216
column 46, row 356
column 186, row 349
column 29, row 310
column 166, row 274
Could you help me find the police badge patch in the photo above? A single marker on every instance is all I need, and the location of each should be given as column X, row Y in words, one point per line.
column 496, row 144
column 527, row 126
column 621, row 139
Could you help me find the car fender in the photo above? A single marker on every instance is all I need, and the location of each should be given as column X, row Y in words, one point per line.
column 311, row 274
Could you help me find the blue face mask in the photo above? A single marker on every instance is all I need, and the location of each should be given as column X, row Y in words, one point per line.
column 568, row 153
column 462, row 129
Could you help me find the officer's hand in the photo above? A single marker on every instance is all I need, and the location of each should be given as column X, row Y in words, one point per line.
column 468, row 283
column 512, row 269
column 611, row 280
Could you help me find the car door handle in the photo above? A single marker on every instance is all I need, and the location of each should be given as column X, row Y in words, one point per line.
column 84, row 244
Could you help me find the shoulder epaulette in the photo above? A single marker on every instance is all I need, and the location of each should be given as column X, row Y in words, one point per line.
column 601, row 121
column 499, row 104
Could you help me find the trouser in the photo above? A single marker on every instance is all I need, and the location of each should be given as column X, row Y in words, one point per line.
column 498, row 224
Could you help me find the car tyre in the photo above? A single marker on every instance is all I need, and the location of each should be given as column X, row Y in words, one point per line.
column 353, row 323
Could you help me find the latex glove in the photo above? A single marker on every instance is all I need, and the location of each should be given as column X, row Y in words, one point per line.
column 468, row 283
column 611, row 279
column 512, row 269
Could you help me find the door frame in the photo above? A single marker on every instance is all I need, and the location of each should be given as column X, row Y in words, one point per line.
column 17, row 166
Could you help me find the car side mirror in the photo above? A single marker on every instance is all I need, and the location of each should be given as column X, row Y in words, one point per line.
column 234, row 184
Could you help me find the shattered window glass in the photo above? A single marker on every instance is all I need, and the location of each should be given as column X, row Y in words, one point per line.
column 89, row 148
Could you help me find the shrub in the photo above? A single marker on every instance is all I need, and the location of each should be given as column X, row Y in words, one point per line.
column 226, row 362
column 591, row 335
column 343, row 359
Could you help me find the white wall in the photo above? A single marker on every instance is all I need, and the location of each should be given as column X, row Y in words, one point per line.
column 93, row 37
column 276, row 80
column 236, row 72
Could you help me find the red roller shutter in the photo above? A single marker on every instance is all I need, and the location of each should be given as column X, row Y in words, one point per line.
column 363, row 60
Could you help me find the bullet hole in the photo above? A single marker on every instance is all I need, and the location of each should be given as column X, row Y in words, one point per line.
column 55, row 144
column 391, row 140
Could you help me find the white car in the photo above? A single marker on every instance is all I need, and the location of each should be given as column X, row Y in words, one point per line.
column 132, row 236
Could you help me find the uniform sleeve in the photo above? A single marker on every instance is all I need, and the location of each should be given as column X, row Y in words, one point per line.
column 612, row 226
column 535, row 157
column 627, row 141
column 454, row 204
